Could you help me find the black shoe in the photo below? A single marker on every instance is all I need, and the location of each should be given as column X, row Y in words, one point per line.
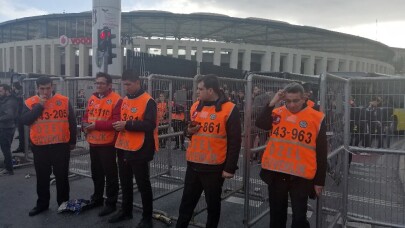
column 36, row 210
column 18, row 150
column 94, row 204
column 107, row 210
column 120, row 216
column 145, row 223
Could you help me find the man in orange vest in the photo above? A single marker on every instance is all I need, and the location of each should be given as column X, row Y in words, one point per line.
column 52, row 124
column 178, row 124
column 310, row 96
column 213, row 152
column 294, row 161
column 136, row 143
column 162, row 108
column 103, row 109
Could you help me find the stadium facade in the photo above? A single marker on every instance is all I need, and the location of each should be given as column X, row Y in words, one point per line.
column 60, row 44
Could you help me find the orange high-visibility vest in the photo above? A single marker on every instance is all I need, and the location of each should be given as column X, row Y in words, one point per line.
column 134, row 109
column 310, row 103
column 177, row 116
column 101, row 110
column 292, row 145
column 52, row 126
column 209, row 144
column 161, row 112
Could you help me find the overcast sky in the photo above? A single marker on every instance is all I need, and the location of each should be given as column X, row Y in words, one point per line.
column 381, row 20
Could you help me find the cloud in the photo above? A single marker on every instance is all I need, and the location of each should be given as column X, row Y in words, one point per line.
column 11, row 10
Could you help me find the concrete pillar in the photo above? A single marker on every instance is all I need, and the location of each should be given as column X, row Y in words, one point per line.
column 18, row 58
column 217, row 56
column 70, row 60
column 163, row 49
column 11, row 58
column 275, row 62
column 45, row 59
column 247, row 56
column 334, row 65
column 36, row 60
column 199, row 53
column 27, row 56
column 234, row 59
column 8, row 59
column 289, row 63
column 321, row 65
column 83, row 60
column 4, row 57
column 345, row 66
column 55, row 60
column 266, row 61
column 175, row 50
column 309, row 65
column 297, row 63
column 188, row 52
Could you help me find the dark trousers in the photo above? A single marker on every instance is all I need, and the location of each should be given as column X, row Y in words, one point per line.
column 195, row 182
column 279, row 187
column 104, row 172
column 47, row 159
column 127, row 169
column 6, row 138
column 21, row 135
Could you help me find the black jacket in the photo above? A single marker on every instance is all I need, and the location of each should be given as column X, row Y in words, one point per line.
column 28, row 117
column 265, row 120
column 8, row 111
column 233, row 132
column 147, row 125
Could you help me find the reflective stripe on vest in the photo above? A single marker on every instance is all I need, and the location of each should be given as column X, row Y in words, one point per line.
column 52, row 126
column 100, row 109
column 209, row 144
column 292, row 145
column 134, row 109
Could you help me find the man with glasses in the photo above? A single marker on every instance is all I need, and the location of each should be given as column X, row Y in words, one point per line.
column 103, row 109
column 294, row 161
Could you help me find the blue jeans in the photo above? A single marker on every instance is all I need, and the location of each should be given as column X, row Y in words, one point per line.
column 6, row 138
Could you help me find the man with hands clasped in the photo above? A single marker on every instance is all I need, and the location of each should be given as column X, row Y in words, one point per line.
column 103, row 109
column 295, row 159
column 213, row 152
column 136, row 143
column 52, row 124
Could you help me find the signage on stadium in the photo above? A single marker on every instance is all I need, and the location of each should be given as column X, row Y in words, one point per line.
column 64, row 40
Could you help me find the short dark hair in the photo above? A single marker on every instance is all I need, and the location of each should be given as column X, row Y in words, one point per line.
column 17, row 85
column 130, row 75
column 294, row 88
column 104, row 75
column 210, row 82
column 6, row 87
column 43, row 80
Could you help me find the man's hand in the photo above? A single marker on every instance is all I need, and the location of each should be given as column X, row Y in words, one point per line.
column 279, row 96
column 119, row 125
column 90, row 127
column 193, row 129
column 42, row 99
column 227, row 175
column 318, row 190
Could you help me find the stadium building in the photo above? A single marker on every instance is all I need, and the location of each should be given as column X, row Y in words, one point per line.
column 60, row 44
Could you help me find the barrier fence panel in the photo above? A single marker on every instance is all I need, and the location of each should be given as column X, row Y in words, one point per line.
column 259, row 90
column 333, row 105
column 376, row 178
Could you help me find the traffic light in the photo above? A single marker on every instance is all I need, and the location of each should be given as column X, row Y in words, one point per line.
column 110, row 47
column 103, row 37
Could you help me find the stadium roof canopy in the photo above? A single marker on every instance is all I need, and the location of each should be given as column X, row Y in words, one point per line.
column 204, row 26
